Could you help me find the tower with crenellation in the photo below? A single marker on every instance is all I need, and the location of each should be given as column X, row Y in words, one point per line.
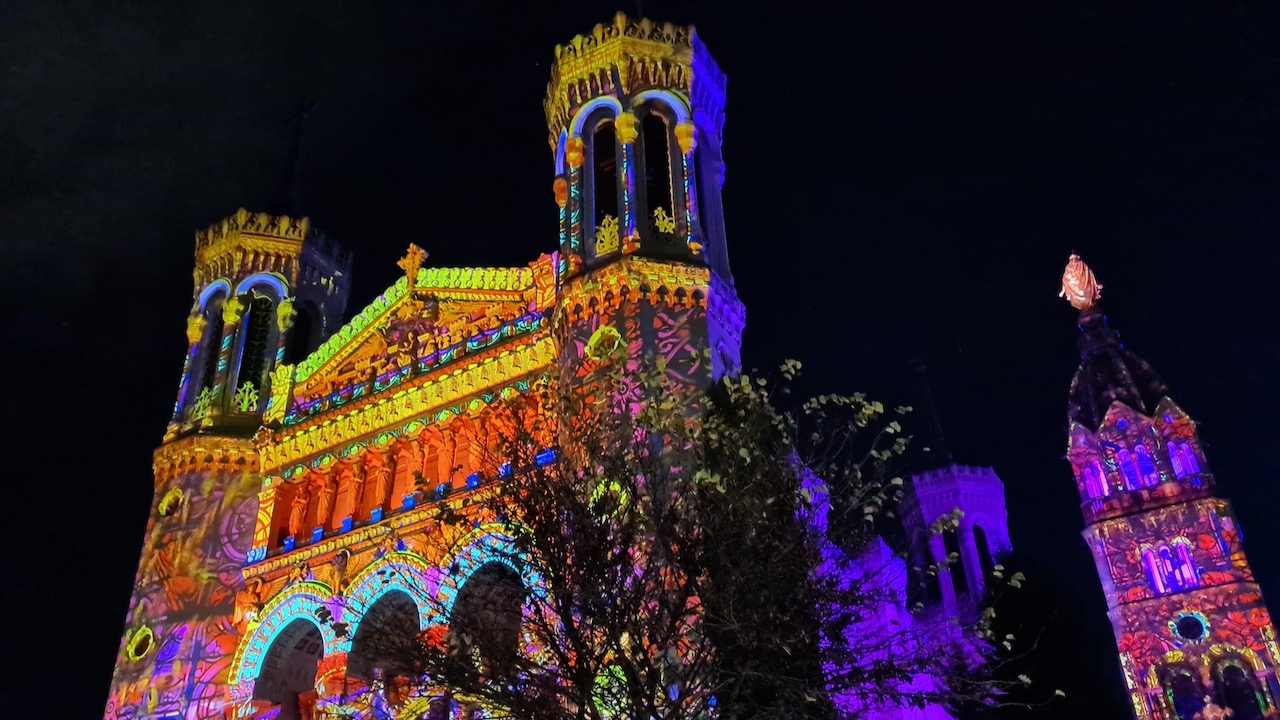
column 1193, row 633
column 635, row 112
column 266, row 288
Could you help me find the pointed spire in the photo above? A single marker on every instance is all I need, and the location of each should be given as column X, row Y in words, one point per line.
column 1108, row 372
column 938, row 454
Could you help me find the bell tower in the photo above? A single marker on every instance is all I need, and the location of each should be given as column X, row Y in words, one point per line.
column 267, row 290
column 1193, row 633
column 635, row 112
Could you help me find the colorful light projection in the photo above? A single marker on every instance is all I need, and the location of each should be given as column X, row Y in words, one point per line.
column 405, row 381
column 176, row 652
column 1194, row 636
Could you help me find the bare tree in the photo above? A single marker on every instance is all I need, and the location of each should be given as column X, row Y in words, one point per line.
column 693, row 554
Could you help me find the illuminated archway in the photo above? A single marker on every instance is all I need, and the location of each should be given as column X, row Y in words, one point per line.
column 288, row 669
column 482, row 546
column 300, row 601
column 405, row 572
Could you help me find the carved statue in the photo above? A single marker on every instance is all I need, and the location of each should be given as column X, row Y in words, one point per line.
column 377, row 472
column 345, row 475
column 233, row 309
column 248, row 603
column 445, row 459
column 285, row 314
column 326, row 491
column 334, row 574
column 410, row 263
column 298, row 508
column 1079, row 286
column 299, row 573
column 195, row 328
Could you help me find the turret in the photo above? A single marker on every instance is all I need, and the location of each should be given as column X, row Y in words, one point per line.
column 268, row 289
column 635, row 112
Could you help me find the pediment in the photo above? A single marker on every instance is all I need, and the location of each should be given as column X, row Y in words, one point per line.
column 448, row 312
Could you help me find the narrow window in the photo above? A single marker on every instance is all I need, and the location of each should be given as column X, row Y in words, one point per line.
column 1095, row 482
column 1184, row 692
column 1237, row 689
column 1155, row 575
column 1175, row 459
column 1146, row 468
column 984, row 552
column 303, row 335
column 1187, row 574
column 657, row 171
column 1189, row 462
column 254, row 350
column 212, row 345
column 605, row 171
column 1170, row 567
column 1128, row 469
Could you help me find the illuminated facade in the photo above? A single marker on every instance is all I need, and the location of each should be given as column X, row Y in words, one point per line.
column 1194, row 635
column 287, row 492
column 298, row 478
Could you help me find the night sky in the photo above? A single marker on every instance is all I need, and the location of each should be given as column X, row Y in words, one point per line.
column 902, row 177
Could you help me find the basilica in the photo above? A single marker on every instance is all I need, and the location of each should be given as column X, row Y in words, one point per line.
column 308, row 447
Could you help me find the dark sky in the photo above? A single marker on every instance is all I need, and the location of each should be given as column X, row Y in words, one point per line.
column 901, row 177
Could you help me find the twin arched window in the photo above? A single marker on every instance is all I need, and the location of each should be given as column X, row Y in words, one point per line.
column 656, row 193
column 1170, row 567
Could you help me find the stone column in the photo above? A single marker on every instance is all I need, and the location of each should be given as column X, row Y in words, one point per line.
column 625, row 126
column 195, row 333
column 938, row 553
column 232, row 311
column 264, row 524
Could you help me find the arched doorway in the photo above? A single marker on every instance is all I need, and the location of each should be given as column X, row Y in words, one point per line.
column 486, row 615
column 386, row 639
column 288, row 673
column 1237, row 689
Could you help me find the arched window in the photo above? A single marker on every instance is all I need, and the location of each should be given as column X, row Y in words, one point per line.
column 255, row 350
column 1146, row 468
column 1188, row 575
column 602, row 167
column 1183, row 690
column 1128, row 469
column 1190, row 464
column 1155, row 574
column 656, row 164
column 486, row 615
column 1095, row 483
column 1237, row 689
column 1170, row 567
column 204, row 366
column 385, row 639
column 289, row 668
column 1175, row 460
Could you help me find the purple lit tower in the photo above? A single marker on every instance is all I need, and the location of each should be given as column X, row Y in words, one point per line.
column 938, row 488
column 1193, row 633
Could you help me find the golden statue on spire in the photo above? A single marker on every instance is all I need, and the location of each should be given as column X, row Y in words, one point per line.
column 410, row 264
column 1079, row 286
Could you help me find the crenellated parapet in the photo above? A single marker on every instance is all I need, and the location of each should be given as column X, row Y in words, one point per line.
column 204, row 453
column 634, row 112
column 626, row 54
